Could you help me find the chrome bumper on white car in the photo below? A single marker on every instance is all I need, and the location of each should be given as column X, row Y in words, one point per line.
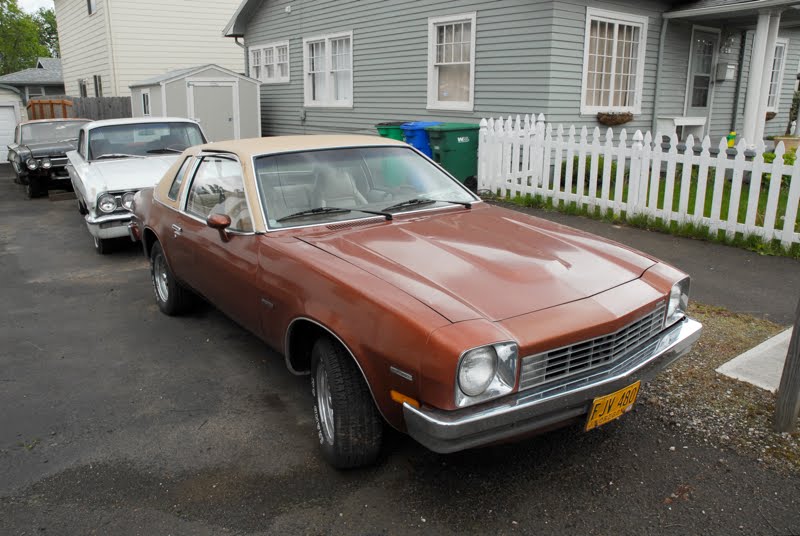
column 546, row 407
column 109, row 225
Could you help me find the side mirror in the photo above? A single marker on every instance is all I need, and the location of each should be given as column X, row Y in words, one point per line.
column 220, row 222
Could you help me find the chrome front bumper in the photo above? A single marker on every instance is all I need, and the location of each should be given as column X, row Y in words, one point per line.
column 108, row 226
column 548, row 406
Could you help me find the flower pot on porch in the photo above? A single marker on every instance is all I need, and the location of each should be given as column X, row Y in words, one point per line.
column 789, row 142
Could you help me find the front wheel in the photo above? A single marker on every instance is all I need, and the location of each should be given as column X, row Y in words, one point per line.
column 349, row 426
column 172, row 298
column 34, row 188
column 102, row 245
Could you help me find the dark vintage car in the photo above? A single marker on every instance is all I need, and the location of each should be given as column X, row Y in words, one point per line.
column 38, row 154
column 407, row 299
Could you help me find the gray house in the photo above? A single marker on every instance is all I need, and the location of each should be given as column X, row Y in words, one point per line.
column 705, row 66
column 44, row 80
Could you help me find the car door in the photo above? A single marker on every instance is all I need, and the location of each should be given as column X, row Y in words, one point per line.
column 179, row 255
column 224, row 264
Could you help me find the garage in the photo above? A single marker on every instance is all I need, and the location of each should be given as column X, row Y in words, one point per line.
column 10, row 103
column 226, row 104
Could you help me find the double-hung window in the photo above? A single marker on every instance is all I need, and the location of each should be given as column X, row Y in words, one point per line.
column 451, row 62
column 270, row 63
column 776, row 77
column 613, row 62
column 328, row 66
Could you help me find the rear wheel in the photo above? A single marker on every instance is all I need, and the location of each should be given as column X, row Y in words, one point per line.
column 172, row 298
column 349, row 426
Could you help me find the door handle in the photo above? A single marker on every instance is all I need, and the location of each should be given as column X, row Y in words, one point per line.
column 176, row 229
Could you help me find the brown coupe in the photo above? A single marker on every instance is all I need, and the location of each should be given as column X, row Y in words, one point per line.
column 407, row 298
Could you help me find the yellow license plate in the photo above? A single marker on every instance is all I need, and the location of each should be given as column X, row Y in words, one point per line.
column 607, row 408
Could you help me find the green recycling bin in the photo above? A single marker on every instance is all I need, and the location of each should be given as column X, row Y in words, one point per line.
column 391, row 130
column 455, row 147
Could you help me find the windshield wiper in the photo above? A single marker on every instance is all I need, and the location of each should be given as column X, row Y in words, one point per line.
column 164, row 150
column 117, row 155
column 417, row 201
column 334, row 210
column 314, row 212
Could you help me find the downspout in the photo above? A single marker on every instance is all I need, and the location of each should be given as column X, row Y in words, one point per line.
column 662, row 39
column 112, row 50
column 739, row 77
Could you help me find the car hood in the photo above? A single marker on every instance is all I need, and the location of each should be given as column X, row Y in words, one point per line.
column 127, row 173
column 486, row 262
column 49, row 148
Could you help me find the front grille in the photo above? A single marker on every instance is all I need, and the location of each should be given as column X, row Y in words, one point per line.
column 588, row 355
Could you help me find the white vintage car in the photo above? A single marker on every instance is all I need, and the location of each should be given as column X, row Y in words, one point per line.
column 118, row 157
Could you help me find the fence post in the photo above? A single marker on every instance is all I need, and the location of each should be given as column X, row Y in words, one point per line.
column 635, row 174
column 787, row 407
column 483, row 152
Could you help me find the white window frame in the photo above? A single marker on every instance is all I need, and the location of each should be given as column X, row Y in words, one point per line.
column 328, row 101
column 433, row 73
column 781, row 41
column 146, row 110
column 614, row 17
column 276, row 78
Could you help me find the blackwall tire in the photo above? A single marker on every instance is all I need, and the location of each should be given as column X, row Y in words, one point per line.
column 348, row 423
column 172, row 298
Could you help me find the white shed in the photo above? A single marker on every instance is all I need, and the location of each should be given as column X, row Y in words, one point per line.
column 226, row 104
column 12, row 111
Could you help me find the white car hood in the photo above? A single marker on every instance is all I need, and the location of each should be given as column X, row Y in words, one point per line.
column 127, row 173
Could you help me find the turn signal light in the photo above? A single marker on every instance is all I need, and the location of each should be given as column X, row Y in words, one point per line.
column 400, row 398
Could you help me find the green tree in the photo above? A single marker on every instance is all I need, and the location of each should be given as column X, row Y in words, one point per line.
column 19, row 39
column 48, row 32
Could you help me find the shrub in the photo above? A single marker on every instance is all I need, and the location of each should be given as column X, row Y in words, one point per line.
column 789, row 159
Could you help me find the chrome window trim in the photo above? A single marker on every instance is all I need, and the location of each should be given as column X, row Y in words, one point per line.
column 408, row 147
column 185, row 195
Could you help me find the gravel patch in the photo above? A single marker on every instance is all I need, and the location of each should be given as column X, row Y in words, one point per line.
column 724, row 412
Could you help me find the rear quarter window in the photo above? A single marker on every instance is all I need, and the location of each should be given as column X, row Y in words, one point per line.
column 178, row 180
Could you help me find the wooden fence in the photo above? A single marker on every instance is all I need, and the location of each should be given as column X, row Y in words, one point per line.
column 85, row 107
column 745, row 192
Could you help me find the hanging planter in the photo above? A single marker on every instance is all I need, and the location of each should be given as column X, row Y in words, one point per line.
column 613, row 119
column 771, row 116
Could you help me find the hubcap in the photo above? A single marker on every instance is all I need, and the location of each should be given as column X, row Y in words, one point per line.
column 160, row 277
column 324, row 403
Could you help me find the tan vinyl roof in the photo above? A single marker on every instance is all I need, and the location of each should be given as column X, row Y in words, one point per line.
column 281, row 144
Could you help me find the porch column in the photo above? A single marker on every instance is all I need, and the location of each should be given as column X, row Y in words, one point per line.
column 752, row 97
column 766, row 78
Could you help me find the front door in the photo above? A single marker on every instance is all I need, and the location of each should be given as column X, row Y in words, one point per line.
column 701, row 73
column 212, row 105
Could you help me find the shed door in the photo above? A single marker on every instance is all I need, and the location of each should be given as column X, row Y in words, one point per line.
column 701, row 73
column 8, row 121
column 213, row 105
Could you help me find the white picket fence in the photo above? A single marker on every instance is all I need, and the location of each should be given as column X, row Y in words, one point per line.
column 529, row 156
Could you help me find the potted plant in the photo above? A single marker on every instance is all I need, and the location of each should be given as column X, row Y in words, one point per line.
column 613, row 119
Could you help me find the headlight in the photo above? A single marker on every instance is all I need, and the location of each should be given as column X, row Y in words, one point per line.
column 127, row 200
column 678, row 302
column 485, row 373
column 107, row 203
column 32, row 164
column 46, row 164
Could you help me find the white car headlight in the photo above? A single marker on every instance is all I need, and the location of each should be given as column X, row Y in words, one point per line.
column 485, row 373
column 46, row 163
column 678, row 302
column 127, row 200
column 106, row 203
column 32, row 164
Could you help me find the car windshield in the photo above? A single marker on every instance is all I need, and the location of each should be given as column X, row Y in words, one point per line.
column 323, row 186
column 51, row 131
column 142, row 139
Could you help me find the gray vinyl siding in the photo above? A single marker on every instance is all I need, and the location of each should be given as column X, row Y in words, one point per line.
column 390, row 60
column 722, row 120
column 674, row 70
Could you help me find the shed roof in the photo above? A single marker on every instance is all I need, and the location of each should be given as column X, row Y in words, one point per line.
column 187, row 71
column 51, row 64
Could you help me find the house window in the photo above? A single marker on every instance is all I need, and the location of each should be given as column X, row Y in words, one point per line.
column 451, row 62
column 613, row 62
column 146, row 102
column 35, row 91
column 328, row 65
column 91, row 6
column 98, row 86
column 83, row 90
column 270, row 63
column 776, row 79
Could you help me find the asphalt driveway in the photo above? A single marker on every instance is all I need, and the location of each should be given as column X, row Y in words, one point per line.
column 118, row 420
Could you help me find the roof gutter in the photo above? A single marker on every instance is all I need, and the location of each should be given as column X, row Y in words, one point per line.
column 728, row 9
column 12, row 88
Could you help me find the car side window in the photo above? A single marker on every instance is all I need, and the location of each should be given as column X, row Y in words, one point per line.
column 218, row 188
column 176, row 183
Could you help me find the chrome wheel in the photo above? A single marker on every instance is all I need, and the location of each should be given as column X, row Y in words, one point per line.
column 324, row 403
column 160, row 277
